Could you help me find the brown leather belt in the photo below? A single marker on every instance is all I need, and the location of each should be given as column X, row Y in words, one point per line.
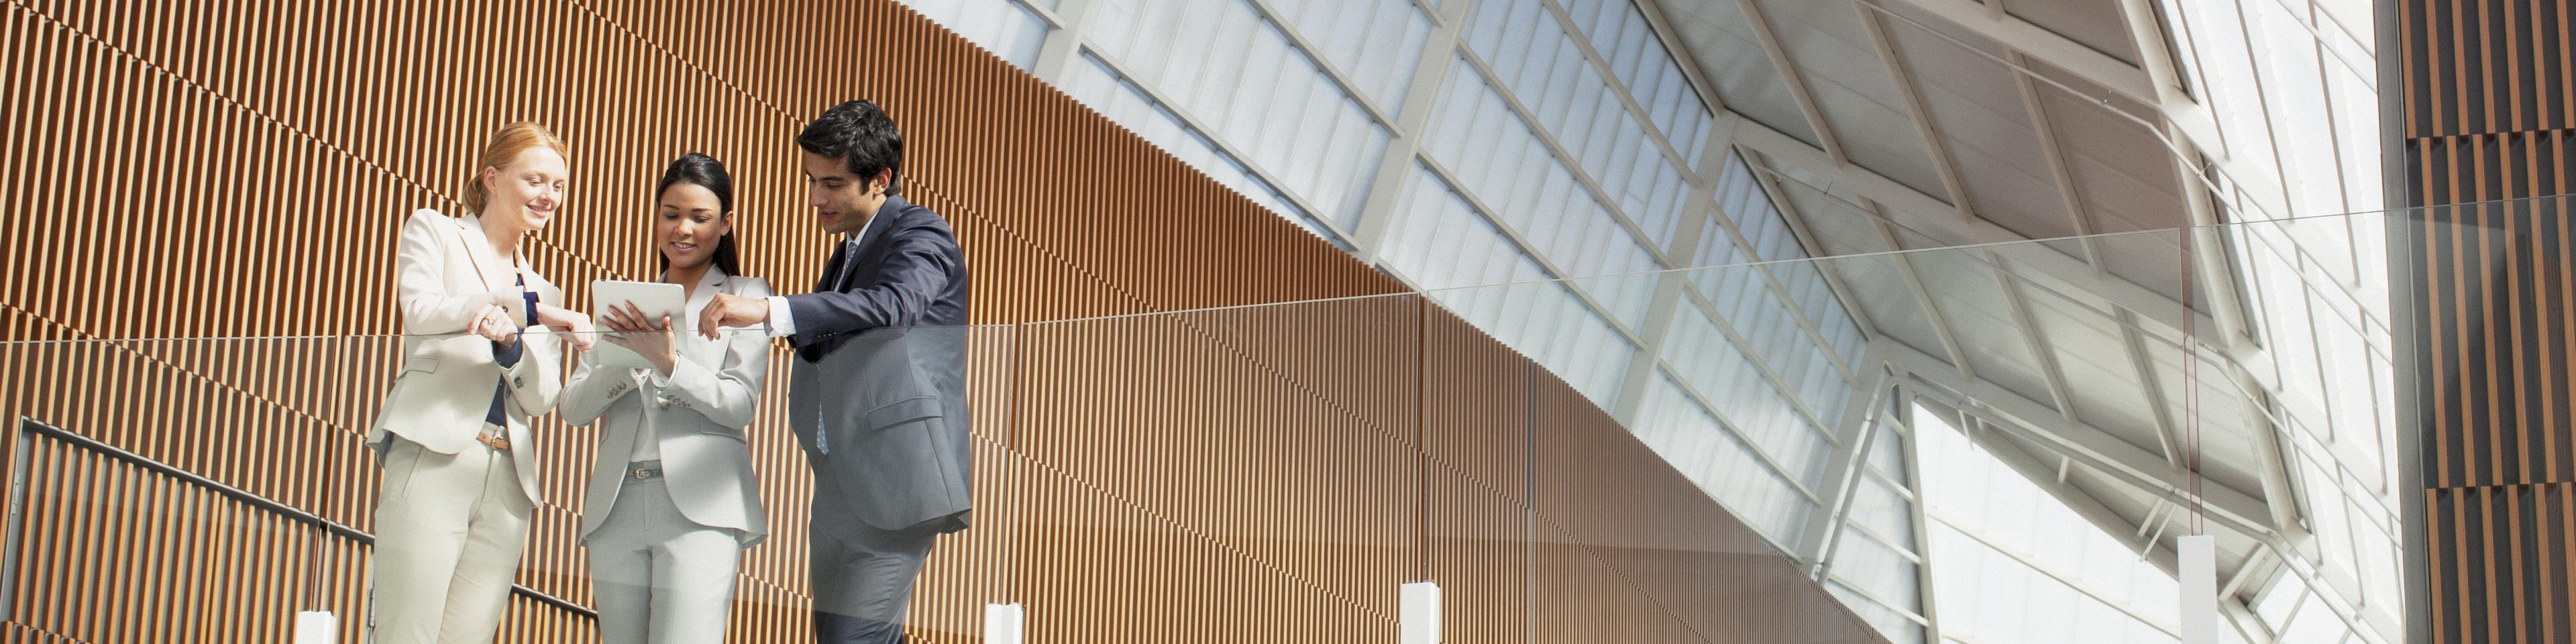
column 497, row 443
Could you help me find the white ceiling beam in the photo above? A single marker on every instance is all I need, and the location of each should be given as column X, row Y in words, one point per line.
column 1722, row 230
column 1925, row 576
column 1571, row 162
column 2168, row 439
column 1071, row 18
column 1663, row 26
column 2039, row 470
column 1797, row 84
column 1913, row 210
column 1914, row 105
column 2371, row 624
column 2162, row 623
column 2094, row 447
column 2173, row 108
column 2054, row 153
column 1628, row 100
column 2079, row 59
column 1932, row 312
column 1395, row 165
column 2164, row 78
column 1819, row 541
column 1869, row 184
column 2036, row 342
column 2061, row 52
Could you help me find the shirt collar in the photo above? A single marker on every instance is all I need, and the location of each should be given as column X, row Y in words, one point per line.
column 884, row 210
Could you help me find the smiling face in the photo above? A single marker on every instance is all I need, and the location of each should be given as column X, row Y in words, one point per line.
column 842, row 202
column 690, row 221
column 526, row 192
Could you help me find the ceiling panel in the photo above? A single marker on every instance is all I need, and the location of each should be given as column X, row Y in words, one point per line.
column 1863, row 108
column 1838, row 226
column 1976, row 107
column 2092, row 352
column 1880, row 139
column 2098, row 24
column 1881, row 295
column 1963, row 284
column 1717, row 38
column 2023, row 138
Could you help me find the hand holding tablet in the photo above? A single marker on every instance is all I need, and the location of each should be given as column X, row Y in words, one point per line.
column 655, row 300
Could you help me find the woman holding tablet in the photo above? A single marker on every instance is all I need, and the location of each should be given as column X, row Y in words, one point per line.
column 672, row 501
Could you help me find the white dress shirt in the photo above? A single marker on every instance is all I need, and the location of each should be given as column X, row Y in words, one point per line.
column 782, row 322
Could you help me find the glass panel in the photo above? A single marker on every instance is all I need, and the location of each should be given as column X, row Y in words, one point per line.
column 2013, row 447
column 2320, row 396
column 1268, row 455
column 238, row 484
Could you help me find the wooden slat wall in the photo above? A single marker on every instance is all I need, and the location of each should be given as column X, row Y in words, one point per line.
column 1239, row 475
column 2489, row 113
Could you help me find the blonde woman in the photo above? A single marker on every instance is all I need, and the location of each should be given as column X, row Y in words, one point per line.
column 459, row 466
column 672, row 500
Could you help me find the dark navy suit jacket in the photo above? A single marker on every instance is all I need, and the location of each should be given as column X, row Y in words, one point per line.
column 878, row 395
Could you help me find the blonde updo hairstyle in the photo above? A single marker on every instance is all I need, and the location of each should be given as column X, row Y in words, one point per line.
column 505, row 147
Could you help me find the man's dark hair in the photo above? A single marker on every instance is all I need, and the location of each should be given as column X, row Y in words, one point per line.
column 704, row 171
column 860, row 135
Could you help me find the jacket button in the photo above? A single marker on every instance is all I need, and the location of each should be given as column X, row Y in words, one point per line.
column 518, row 382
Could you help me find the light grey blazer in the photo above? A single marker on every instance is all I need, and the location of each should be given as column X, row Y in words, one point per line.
column 698, row 414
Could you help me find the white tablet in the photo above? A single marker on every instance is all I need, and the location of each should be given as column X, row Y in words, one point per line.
column 656, row 299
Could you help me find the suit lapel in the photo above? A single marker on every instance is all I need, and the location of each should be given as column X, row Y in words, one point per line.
column 495, row 273
column 873, row 240
column 832, row 269
column 704, row 351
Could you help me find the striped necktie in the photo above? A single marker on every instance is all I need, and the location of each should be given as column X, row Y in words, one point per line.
column 849, row 264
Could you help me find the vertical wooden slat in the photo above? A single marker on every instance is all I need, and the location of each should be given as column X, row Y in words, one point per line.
column 2487, row 98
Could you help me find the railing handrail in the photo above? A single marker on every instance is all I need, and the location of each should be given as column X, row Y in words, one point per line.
column 273, row 506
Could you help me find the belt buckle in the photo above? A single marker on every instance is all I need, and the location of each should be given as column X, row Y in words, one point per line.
column 497, row 443
column 640, row 473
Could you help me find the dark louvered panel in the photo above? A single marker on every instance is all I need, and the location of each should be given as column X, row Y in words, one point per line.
column 2488, row 101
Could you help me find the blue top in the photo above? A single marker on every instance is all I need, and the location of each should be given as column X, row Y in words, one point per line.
column 508, row 357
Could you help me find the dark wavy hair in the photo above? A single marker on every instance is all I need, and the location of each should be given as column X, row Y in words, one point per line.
column 705, row 172
column 862, row 137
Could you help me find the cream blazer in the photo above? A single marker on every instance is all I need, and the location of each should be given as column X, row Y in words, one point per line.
column 444, row 272
column 697, row 416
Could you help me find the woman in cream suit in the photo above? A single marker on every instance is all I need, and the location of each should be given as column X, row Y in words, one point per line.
column 672, row 501
column 479, row 360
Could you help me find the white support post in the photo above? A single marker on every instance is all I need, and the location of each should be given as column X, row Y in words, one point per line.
column 316, row 627
column 1420, row 621
column 1005, row 623
column 2198, row 565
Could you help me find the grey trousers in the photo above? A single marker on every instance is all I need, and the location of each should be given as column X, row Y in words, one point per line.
column 659, row 578
column 448, row 532
column 863, row 578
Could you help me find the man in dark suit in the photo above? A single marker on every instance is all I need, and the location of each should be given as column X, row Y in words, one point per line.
column 877, row 396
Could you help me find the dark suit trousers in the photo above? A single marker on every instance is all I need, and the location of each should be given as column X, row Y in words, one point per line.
column 863, row 578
